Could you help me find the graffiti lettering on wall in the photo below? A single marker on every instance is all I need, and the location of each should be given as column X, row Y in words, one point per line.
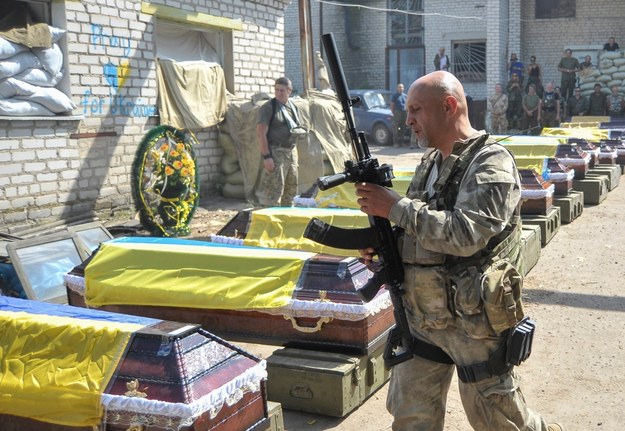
column 117, row 105
column 101, row 38
column 116, row 77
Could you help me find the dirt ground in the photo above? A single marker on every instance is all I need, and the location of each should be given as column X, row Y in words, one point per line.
column 576, row 373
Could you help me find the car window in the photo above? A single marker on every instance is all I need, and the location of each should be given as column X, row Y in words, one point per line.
column 375, row 100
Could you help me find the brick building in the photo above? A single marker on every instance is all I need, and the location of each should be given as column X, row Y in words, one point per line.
column 57, row 168
column 380, row 46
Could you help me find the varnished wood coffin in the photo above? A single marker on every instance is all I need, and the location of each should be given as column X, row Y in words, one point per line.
column 176, row 376
column 326, row 311
column 536, row 193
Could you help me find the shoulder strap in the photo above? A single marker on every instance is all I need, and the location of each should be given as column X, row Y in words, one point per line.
column 274, row 103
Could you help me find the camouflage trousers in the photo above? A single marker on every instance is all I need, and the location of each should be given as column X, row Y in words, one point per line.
column 278, row 188
column 418, row 390
column 417, row 393
column 498, row 124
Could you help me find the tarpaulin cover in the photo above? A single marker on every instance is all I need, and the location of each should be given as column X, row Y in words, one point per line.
column 186, row 273
column 284, row 227
column 56, row 360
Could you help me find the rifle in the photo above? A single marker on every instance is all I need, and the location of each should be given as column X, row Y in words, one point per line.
column 380, row 235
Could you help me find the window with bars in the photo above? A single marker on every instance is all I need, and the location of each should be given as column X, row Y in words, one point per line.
column 552, row 9
column 469, row 60
column 405, row 27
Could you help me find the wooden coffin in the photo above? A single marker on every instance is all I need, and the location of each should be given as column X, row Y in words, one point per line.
column 589, row 148
column 607, row 154
column 619, row 146
column 324, row 312
column 536, row 193
column 560, row 176
column 170, row 376
column 572, row 156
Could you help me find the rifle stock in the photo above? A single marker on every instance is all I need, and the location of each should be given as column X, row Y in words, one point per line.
column 390, row 271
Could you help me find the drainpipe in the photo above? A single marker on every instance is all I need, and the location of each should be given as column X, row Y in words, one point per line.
column 306, row 45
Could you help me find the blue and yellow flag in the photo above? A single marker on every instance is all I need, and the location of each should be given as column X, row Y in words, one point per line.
column 56, row 360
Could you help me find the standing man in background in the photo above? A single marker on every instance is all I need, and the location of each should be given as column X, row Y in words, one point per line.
column 498, row 107
column 597, row 102
column 568, row 66
column 398, row 108
column 577, row 105
column 550, row 107
column 441, row 60
column 277, row 122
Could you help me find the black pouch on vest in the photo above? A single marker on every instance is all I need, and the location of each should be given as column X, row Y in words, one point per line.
column 520, row 340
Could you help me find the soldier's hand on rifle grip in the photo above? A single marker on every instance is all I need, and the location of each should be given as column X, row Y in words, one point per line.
column 367, row 256
column 376, row 200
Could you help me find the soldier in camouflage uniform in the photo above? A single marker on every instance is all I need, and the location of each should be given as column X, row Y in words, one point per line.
column 498, row 106
column 461, row 206
column 276, row 121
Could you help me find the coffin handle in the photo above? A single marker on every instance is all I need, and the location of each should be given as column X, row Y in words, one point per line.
column 308, row 329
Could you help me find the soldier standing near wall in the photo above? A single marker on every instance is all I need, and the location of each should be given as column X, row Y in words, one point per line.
column 498, row 106
column 568, row 66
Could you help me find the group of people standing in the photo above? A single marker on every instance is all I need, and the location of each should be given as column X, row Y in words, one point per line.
column 528, row 105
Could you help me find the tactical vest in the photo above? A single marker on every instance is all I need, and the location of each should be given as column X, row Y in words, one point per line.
column 549, row 102
column 505, row 245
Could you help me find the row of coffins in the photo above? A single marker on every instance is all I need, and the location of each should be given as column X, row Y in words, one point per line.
column 266, row 283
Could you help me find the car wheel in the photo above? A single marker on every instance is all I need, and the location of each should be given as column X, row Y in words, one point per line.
column 381, row 135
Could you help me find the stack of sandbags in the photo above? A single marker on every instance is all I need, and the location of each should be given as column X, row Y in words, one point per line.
column 322, row 152
column 28, row 77
column 609, row 72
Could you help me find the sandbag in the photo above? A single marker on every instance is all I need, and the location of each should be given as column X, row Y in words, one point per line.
column 609, row 70
column 614, row 82
column 619, row 75
column 230, row 164
column 233, row 191
column 51, row 59
column 23, row 108
column 9, row 49
column 18, row 63
column 39, row 77
column 53, row 99
column 603, row 78
column 227, row 144
column 619, row 62
column 605, row 63
column 610, row 55
column 235, row 178
column 587, row 85
column 621, row 68
column 56, row 33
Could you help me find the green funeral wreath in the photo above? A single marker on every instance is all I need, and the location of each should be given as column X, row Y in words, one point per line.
column 165, row 187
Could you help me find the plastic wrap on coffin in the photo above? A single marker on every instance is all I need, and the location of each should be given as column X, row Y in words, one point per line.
column 560, row 176
column 572, row 156
column 536, row 193
column 325, row 310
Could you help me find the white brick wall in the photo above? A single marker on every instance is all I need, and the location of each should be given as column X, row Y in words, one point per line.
column 53, row 168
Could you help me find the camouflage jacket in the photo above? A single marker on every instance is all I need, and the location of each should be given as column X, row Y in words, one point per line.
column 488, row 196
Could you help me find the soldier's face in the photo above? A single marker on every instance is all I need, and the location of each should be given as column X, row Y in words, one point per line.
column 425, row 116
column 282, row 93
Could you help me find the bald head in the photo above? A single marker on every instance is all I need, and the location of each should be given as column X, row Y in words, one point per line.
column 437, row 111
column 439, row 85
